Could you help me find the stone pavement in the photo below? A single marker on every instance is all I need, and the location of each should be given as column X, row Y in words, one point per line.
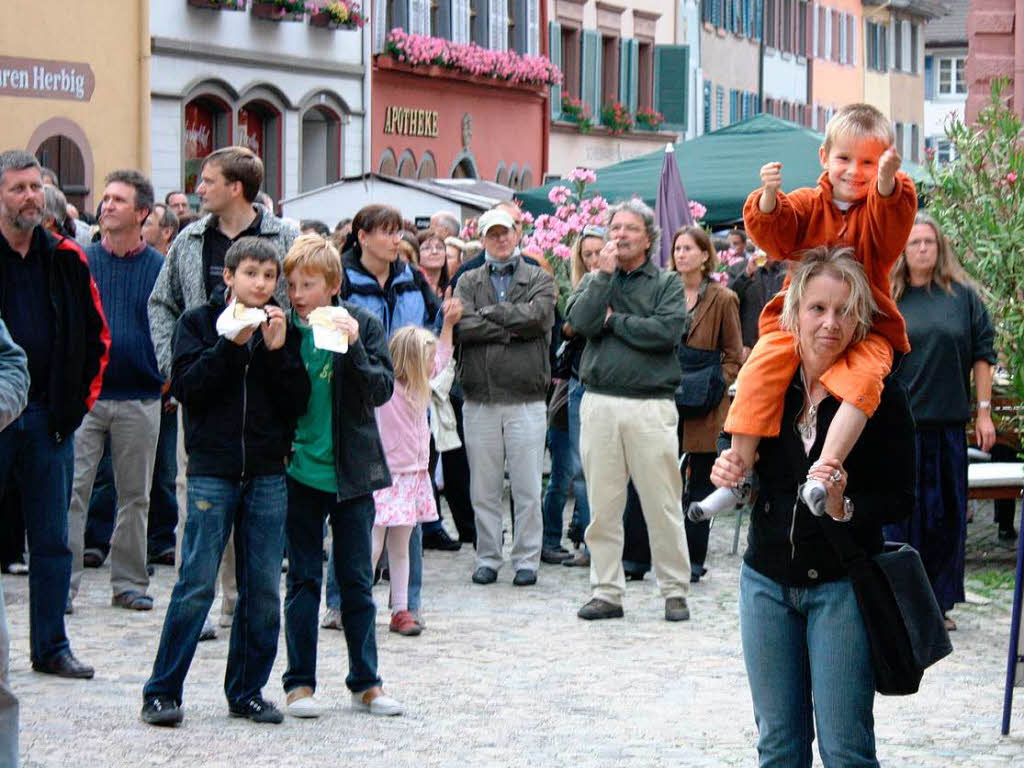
column 502, row 677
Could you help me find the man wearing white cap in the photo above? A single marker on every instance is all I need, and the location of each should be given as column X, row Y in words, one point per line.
column 504, row 335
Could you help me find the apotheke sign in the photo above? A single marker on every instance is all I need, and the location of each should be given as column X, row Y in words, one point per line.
column 46, row 79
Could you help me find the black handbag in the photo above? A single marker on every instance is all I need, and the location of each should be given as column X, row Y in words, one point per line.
column 703, row 384
column 905, row 627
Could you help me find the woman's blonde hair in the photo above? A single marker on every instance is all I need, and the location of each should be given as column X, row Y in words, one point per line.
column 579, row 269
column 837, row 262
column 703, row 242
column 316, row 254
column 412, row 354
column 947, row 267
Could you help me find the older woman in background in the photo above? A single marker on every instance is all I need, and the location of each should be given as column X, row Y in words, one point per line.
column 714, row 324
column 951, row 335
column 434, row 260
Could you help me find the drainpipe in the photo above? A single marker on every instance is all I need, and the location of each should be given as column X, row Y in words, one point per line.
column 145, row 158
column 545, row 148
column 760, row 62
column 1018, row 58
column 367, row 104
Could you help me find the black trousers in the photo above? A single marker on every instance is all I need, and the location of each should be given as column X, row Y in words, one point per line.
column 455, row 466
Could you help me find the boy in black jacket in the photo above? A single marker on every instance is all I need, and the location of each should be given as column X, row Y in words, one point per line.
column 241, row 399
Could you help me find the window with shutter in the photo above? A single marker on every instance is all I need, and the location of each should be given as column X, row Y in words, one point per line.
column 914, row 44
column 819, row 29
column 802, row 26
column 851, row 39
column 380, row 26
column 497, row 36
column 716, row 12
column 758, row 27
column 748, row 19
column 590, row 71
column 706, row 10
column 459, row 20
column 769, row 23
column 634, row 78
column 719, row 106
column 897, row 48
column 555, row 54
column 842, row 38
column 733, row 105
column 836, row 25
column 707, row 107
column 915, row 140
column 826, row 33
column 671, row 83
column 419, row 17
column 479, row 22
column 787, row 26
column 532, row 27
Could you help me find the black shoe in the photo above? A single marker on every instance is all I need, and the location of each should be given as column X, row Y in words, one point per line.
column 635, row 575
column 162, row 710
column 64, row 664
column 676, row 609
column 600, row 609
column 485, row 575
column 440, row 540
column 257, row 709
column 92, row 559
column 524, row 578
column 554, row 556
column 164, row 558
column 575, row 533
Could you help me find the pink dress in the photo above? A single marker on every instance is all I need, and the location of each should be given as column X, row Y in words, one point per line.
column 405, row 434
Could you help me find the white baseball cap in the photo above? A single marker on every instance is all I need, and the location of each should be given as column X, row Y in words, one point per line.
column 495, row 218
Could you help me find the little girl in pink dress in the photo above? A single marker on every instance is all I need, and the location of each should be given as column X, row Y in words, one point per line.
column 417, row 356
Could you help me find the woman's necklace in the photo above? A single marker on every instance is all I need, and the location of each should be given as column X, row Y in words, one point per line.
column 808, row 422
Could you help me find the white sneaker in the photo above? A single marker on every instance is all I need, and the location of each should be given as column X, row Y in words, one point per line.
column 383, row 705
column 307, row 706
column 226, row 620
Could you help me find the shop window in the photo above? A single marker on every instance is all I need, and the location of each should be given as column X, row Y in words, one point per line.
column 207, row 127
column 64, row 157
column 259, row 129
column 321, row 148
column 428, row 168
column 407, row 165
column 388, row 165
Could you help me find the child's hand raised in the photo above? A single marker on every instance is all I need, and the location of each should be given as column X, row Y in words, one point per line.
column 771, row 178
column 275, row 329
column 888, row 164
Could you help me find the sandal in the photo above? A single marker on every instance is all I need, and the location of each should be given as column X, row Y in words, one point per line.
column 132, row 600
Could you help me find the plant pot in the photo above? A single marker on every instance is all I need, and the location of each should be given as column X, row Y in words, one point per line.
column 645, row 127
column 274, row 12
column 323, row 20
column 213, row 5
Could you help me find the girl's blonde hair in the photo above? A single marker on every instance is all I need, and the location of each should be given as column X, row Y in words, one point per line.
column 947, row 268
column 579, row 269
column 412, row 354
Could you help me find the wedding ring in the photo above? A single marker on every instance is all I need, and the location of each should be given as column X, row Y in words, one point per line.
column 836, row 476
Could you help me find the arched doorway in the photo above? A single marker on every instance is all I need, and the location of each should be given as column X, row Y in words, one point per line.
column 63, row 156
column 259, row 129
column 207, row 128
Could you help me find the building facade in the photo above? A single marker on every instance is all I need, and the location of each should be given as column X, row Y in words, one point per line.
column 76, row 99
column 615, row 56
column 730, row 61
column 837, row 58
column 295, row 93
column 429, row 121
column 894, row 66
column 996, row 43
column 945, row 81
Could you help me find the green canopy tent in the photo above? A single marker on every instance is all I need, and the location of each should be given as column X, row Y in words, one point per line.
column 719, row 169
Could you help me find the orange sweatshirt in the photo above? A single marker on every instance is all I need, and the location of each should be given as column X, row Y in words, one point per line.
column 877, row 228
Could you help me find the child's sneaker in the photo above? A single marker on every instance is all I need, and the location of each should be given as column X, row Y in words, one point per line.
column 404, row 623
column 721, row 500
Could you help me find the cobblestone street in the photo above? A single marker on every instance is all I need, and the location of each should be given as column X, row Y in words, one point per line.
column 502, row 677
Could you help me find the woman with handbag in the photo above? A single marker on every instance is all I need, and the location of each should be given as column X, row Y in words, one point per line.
column 951, row 335
column 806, row 645
column 711, row 355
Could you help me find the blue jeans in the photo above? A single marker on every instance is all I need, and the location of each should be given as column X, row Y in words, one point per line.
column 415, row 573
column 257, row 507
column 43, row 470
column 807, row 653
column 558, row 486
column 581, row 513
column 351, row 522
column 8, row 701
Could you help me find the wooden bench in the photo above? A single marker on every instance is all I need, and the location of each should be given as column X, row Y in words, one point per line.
column 1001, row 480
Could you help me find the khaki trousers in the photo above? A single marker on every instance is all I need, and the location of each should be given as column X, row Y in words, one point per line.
column 228, row 583
column 623, row 438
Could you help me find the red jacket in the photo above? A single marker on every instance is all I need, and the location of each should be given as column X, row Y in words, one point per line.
column 876, row 228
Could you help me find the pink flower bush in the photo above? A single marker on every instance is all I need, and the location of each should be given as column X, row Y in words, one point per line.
column 584, row 175
column 1011, row 177
column 697, row 211
column 471, row 59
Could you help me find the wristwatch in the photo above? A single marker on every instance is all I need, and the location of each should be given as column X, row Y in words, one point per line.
column 847, row 511
column 984, row 405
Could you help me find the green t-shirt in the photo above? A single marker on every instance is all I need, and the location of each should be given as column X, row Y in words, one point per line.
column 312, row 463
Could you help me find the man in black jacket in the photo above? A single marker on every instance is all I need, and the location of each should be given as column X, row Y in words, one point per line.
column 52, row 309
column 241, row 396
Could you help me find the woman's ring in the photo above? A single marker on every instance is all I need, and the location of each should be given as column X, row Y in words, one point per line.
column 836, row 476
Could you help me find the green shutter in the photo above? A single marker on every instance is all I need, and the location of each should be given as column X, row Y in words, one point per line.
column 634, row 75
column 624, row 72
column 671, row 83
column 555, row 54
column 591, row 72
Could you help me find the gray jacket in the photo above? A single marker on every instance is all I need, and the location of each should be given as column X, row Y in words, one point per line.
column 181, row 286
column 503, row 347
column 13, row 378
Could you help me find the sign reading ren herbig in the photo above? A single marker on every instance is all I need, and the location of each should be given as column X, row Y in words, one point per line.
column 45, row 79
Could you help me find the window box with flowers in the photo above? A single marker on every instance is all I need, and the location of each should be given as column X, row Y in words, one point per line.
column 648, row 119
column 279, row 10
column 339, row 14
column 219, row 5
column 616, row 118
column 435, row 56
column 575, row 111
